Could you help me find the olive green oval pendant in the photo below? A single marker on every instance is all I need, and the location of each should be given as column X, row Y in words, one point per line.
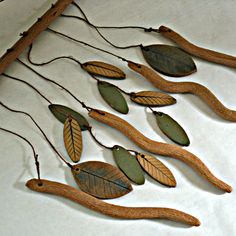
column 62, row 113
column 113, row 97
column 128, row 164
column 169, row 60
column 171, row 129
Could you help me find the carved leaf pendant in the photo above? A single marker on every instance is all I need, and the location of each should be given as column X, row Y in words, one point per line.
column 73, row 139
column 101, row 179
column 152, row 98
column 103, row 69
column 156, row 169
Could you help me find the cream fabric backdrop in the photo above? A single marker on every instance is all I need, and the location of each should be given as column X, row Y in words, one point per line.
column 206, row 23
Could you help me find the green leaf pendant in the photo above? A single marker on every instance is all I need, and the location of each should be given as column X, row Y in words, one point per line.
column 62, row 113
column 171, row 128
column 128, row 164
column 113, row 97
column 169, row 60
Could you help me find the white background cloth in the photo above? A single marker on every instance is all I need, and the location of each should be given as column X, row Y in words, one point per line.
column 209, row 24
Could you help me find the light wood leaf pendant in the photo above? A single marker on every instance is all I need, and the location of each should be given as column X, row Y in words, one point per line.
column 152, row 98
column 103, row 69
column 156, row 169
column 72, row 139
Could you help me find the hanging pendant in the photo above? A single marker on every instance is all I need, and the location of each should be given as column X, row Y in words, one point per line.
column 101, row 180
column 156, row 169
column 152, row 98
column 103, row 69
column 128, row 164
column 113, row 97
column 72, row 139
column 169, row 60
column 171, row 128
column 62, row 112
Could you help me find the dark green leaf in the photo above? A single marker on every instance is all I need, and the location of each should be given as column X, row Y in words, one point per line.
column 169, row 60
column 62, row 113
column 103, row 69
column 101, row 180
column 172, row 129
column 113, row 97
column 128, row 164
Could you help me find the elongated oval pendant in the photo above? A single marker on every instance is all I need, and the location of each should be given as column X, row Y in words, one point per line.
column 169, row 60
column 152, row 98
column 101, row 179
column 62, row 113
column 73, row 139
column 156, row 169
column 103, row 69
column 128, row 164
column 172, row 129
column 113, row 97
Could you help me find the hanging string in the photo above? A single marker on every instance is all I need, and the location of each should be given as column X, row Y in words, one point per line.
column 109, row 27
column 96, row 140
column 67, row 57
column 45, row 136
column 50, row 61
column 32, row 147
column 31, row 86
column 86, row 44
column 92, row 25
column 54, row 82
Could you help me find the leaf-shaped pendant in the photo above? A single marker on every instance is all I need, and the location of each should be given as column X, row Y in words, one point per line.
column 171, row 129
column 152, row 98
column 128, row 164
column 62, row 113
column 103, row 69
column 101, row 180
column 156, row 169
column 113, row 97
column 73, row 139
column 169, row 60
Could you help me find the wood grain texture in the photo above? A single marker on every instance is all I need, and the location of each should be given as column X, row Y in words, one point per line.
column 159, row 148
column 152, row 98
column 101, row 179
column 73, row 139
column 116, row 211
column 103, row 69
column 31, row 34
column 194, row 50
column 185, row 87
column 156, row 169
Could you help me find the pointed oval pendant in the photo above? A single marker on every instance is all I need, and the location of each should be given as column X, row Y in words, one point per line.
column 156, row 169
column 128, row 164
column 171, row 129
column 101, row 179
column 152, row 98
column 62, row 112
column 72, row 139
column 103, row 69
column 113, row 97
column 169, row 60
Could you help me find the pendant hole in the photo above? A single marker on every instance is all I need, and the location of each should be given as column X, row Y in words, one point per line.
column 40, row 184
column 77, row 169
